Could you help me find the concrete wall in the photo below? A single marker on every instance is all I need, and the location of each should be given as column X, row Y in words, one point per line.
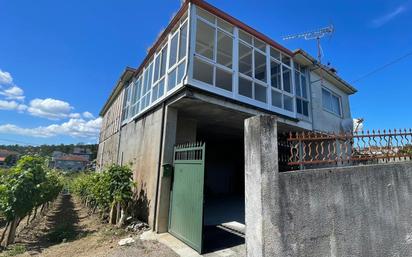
column 322, row 119
column 348, row 211
column 352, row 211
column 107, row 152
column 139, row 148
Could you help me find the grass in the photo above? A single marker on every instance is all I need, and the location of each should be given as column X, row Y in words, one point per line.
column 14, row 250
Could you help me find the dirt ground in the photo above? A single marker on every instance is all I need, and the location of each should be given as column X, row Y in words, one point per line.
column 68, row 229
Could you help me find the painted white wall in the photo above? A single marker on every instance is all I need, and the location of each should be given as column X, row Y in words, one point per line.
column 324, row 120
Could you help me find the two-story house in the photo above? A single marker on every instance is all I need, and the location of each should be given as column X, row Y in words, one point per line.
column 202, row 78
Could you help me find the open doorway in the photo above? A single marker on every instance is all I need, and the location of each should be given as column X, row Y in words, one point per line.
column 224, row 188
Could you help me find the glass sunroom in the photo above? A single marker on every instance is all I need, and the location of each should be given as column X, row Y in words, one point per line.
column 218, row 55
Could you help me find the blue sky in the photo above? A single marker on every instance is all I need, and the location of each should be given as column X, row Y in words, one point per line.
column 60, row 59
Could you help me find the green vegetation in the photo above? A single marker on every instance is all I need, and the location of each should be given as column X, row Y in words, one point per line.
column 23, row 189
column 16, row 250
column 108, row 191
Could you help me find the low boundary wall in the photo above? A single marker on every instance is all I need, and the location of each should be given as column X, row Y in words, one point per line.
column 347, row 211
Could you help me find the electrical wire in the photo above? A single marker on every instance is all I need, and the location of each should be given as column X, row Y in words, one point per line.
column 383, row 67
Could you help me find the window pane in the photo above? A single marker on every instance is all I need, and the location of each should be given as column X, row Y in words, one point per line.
column 245, row 59
column 288, row 103
column 299, row 106
column 274, row 53
column 304, row 87
column 336, row 105
column 161, row 88
column 157, row 68
column 260, row 66
column 172, row 80
column 260, row 45
column 260, row 93
column 173, row 51
column 224, row 49
column 305, row 105
column 163, row 64
column 203, row 71
column 287, row 79
column 154, row 93
column 245, row 87
column 205, row 15
column 275, row 75
column 286, row 60
column 137, row 90
column 297, row 84
column 181, row 72
column 326, row 100
column 205, row 39
column 224, row 25
column 245, row 37
column 276, row 99
column 223, row 79
column 183, row 38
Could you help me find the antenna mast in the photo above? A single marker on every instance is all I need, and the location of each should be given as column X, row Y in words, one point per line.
column 317, row 34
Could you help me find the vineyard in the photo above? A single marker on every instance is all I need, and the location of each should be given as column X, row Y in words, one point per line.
column 37, row 200
column 25, row 189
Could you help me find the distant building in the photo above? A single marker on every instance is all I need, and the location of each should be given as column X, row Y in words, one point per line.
column 84, row 152
column 70, row 162
column 8, row 158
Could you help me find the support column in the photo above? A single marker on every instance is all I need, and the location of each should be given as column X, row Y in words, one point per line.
column 262, row 207
column 169, row 141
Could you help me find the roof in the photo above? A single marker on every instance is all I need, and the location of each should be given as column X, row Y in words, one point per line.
column 5, row 153
column 70, row 157
column 2, row 159
column 126, row 75
column 303, row 56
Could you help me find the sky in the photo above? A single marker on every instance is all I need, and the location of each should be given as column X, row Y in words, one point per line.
column 59, row 60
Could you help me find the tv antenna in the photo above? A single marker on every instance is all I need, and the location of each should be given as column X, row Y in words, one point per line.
column 317, row 34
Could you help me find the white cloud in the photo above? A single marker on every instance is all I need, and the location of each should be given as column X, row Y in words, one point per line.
column 12, row 105
column 50, row 108
column 382, row 20
column 13, row 93
column 77, row 128
column 88, row 115
column 5, row 77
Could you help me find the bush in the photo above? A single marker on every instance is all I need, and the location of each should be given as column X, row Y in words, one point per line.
column 106, row 189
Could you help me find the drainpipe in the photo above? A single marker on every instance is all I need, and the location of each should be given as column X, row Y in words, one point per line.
column 159, row 165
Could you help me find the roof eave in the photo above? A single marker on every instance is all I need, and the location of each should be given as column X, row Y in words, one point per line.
column 126, row 75
column 347, row 87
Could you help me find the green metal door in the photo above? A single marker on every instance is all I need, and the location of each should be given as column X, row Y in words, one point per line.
column 186, row 208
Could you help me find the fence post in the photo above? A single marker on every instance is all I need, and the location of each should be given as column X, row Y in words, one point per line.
column 262, row 212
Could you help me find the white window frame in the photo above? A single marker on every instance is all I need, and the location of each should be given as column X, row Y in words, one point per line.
column 332, row 94
column 301, row 97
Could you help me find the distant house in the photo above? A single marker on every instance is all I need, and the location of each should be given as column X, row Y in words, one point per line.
column 70, row 162
column 8, row 158
column 84, row 152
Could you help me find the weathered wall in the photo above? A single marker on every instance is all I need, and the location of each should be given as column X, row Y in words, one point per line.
column 352, row 211
column 139, row 148
column 322, row 119
column 109, row 134
column 348, row 211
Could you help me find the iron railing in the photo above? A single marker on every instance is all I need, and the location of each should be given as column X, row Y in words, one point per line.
column 316, row 148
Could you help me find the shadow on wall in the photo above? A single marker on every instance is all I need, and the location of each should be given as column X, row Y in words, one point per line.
column 140, row 205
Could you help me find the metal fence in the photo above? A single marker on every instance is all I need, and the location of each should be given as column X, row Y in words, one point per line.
column 316, row 148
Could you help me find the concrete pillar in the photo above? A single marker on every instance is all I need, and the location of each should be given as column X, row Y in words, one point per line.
column 262, row 212
column 169, row 141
